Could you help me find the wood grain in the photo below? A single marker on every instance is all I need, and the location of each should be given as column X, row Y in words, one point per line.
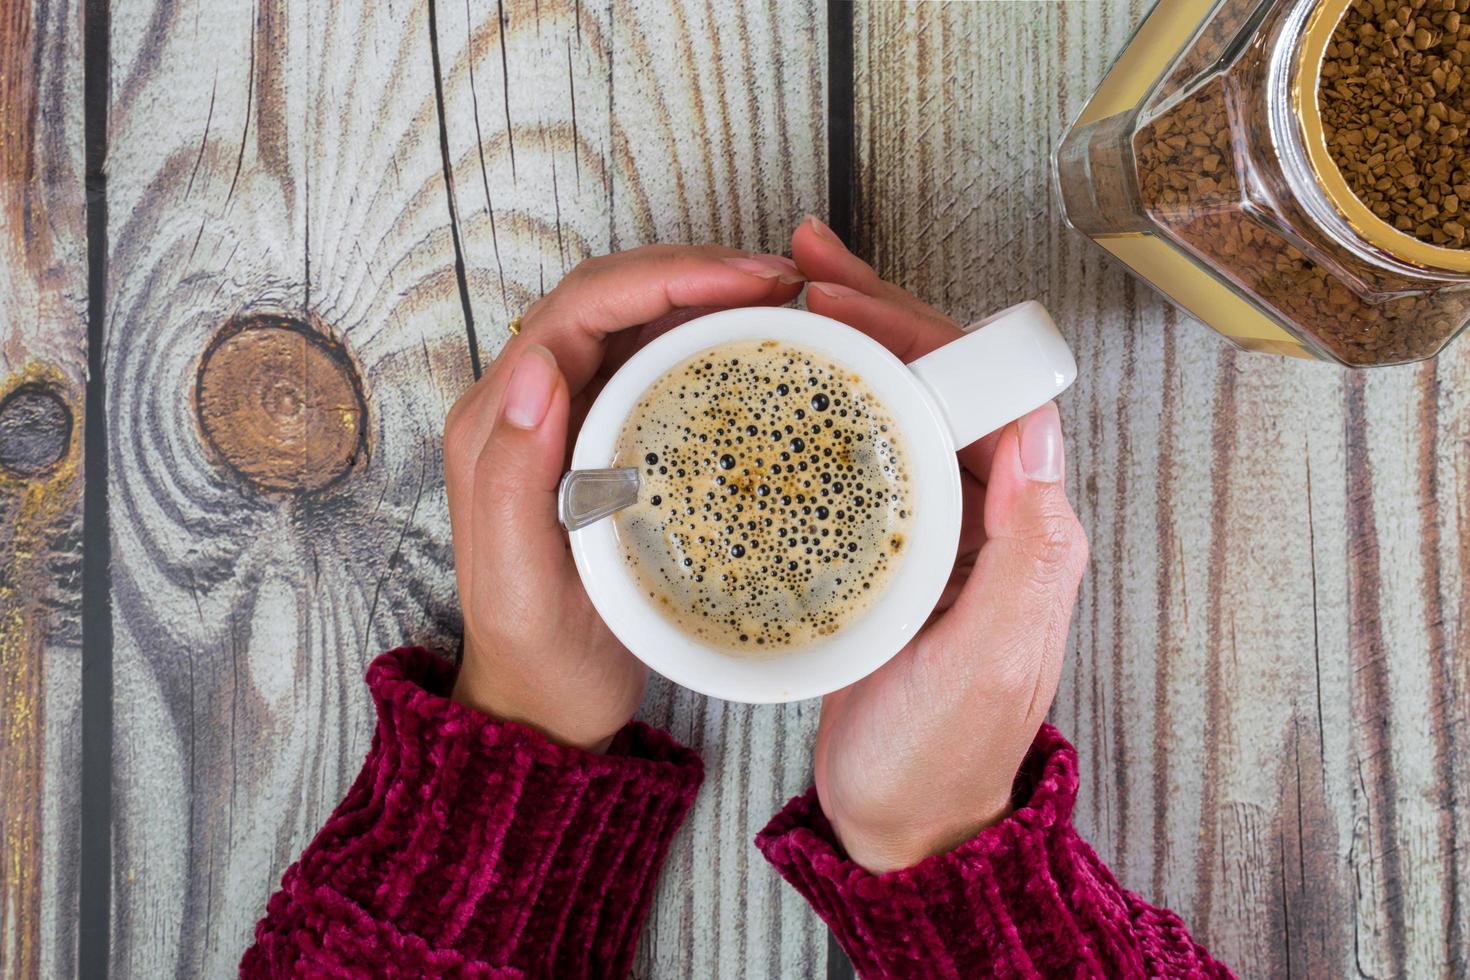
column 1268, row 674
column 289, row 168
column 268, row 160
column 575, row 129
column 1269, row 681
column 280, row 403
column 43, row 357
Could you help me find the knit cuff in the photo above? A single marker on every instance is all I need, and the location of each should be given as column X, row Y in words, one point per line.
column 1024, row 897
column 470, row 843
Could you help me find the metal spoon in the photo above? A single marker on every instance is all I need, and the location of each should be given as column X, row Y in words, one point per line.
column 587, row 496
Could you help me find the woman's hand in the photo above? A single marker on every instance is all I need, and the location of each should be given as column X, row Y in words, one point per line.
column 535, row 650
column 920, row 755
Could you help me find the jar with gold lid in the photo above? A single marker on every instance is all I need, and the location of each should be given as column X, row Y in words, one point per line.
column 1295, row 173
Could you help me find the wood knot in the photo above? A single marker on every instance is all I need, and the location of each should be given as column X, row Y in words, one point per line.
column 35, row 429
column 281, row 404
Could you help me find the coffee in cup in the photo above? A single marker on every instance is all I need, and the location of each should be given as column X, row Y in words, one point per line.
column 775, row 499
column 996, row 371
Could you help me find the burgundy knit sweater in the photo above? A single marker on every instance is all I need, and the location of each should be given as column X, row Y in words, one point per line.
column 469, row 847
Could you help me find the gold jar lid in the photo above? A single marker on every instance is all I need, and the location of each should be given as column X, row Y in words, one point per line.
column 1320, row 27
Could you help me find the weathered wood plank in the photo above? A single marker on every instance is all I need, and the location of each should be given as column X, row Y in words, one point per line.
column 1269, row 680
column 285, row 336
column 43, row 366
column 579, row 128
column 720, row 135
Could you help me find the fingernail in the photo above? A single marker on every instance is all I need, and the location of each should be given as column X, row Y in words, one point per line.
column 1042, row 455
column 834, row 289
column 768, row 267
column 532, row 382
column 820, row 227
column 778, row 262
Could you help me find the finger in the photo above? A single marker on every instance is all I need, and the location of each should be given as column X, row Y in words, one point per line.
column 907, row 333
column 625, row 343
column 821, row 257
column 619, row 347
column 466, row 428
column 1010, row 621
column 516, row 476
column 604, row 295
column 837, row 274
column 479, row 406
column 847, row 289
column 906, row 330
column 471, row 418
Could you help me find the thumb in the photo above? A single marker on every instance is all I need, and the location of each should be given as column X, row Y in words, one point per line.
column 1017, row 604
column 516, row 474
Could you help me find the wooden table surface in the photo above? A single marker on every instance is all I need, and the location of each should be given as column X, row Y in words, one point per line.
column 341, row 205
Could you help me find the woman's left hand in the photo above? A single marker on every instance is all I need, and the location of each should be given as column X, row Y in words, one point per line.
column 918, row 756
column 535, row 650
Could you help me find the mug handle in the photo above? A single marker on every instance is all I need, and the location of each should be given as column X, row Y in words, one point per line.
column 1006, row 365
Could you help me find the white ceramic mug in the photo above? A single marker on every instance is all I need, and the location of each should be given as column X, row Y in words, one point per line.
column 1002, row 368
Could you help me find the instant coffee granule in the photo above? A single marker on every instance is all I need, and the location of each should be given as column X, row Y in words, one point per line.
column 1212, row 173
column 1395, row 105
column 1188, row 181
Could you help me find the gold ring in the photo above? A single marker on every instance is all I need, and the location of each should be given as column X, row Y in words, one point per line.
column 514, row 326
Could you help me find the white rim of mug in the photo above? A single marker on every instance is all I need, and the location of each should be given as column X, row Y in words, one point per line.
column 877, row 634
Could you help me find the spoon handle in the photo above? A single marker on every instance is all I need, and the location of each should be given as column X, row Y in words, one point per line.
column 587, row 496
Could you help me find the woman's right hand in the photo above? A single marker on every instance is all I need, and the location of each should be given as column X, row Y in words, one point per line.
column 535, row 650
column 920, row 755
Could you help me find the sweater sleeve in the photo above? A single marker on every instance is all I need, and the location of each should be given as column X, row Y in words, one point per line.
column 470, row 847
column 1026, row 897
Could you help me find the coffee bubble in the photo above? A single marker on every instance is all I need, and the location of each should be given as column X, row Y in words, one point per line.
column 775, row 500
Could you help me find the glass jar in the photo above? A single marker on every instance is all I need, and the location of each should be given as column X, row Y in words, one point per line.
column 1203, row 163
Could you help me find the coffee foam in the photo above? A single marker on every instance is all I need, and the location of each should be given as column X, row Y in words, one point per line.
column 775, row 501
